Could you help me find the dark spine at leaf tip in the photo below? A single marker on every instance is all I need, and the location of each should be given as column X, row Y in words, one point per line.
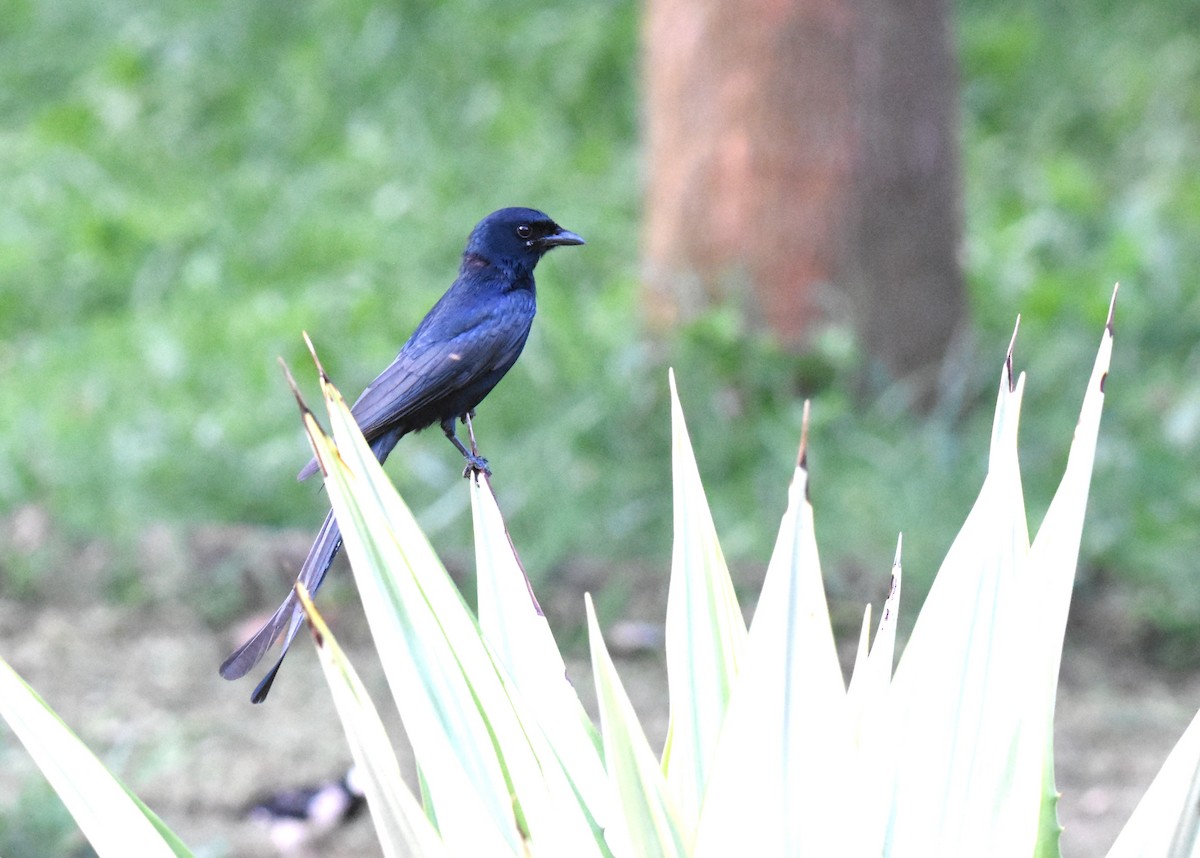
column 312, row 350
column 802, row 454
column 287, row 373
column 1008, row 358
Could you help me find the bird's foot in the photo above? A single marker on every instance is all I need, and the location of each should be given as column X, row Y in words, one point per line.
column 476, row 464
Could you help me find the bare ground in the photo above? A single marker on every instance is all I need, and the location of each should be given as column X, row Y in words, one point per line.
column 141, row 687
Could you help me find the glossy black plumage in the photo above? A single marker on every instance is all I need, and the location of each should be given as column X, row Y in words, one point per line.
column 454, row 358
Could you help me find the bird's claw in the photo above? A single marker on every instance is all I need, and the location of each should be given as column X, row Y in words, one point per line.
column 476, row 465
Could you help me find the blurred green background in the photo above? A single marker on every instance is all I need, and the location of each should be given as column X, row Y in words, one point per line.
column 186, row 186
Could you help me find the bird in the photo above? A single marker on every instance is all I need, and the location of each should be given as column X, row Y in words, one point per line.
column 298, row 816
column 465, row 344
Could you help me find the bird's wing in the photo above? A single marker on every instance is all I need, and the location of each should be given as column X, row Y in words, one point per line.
column 432, row 366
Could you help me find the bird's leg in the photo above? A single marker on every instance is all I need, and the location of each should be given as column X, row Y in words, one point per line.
column 475, row 463
column 466, row 419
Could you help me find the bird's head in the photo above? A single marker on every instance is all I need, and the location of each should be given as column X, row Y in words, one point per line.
column 517, row 238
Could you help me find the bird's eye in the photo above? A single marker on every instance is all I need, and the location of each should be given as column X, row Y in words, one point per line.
column 524, row 230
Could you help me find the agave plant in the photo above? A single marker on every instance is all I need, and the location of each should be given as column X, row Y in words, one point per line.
column 768, row 751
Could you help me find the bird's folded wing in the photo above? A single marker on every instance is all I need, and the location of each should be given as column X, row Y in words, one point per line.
column 431, row 369
column 428, row 369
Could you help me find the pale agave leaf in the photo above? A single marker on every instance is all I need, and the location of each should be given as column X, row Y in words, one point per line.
column 467, row 791
column 429, row 639
column 518, row 634
column 792, row 609
column 873, row 730
column 1055, row 551
column 957, row 697
column 1007, row 418
column 860, row 656
column 646, row 823
column 1163, row 824
column 705, row 632
column 779, row 783
column 559, row 821
column 867, row 694
column 401, row 825
column 112, row 818
column 1047, row 584
column 883, row 651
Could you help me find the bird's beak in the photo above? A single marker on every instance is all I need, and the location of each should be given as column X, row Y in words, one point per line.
column 562, row 237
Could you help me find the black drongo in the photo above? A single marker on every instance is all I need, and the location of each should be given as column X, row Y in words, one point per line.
column 458, row 353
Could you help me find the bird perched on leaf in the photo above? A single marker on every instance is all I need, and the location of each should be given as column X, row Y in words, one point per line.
column 454, row 358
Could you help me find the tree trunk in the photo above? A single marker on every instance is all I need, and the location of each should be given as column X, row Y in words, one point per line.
column 803, row 161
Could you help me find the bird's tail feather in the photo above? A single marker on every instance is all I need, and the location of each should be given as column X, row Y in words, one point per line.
column 308, row 470
column 312, row 575
column 263, row 687
column 242, row 659
column 289, row 614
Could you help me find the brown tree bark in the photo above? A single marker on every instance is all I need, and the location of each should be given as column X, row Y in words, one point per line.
column 803, row 159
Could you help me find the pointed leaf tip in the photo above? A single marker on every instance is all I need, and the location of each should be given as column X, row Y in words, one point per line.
column 291, row 381
column 1008, row 358
column 890, row 603
column 312, row 350
column 1112, row 307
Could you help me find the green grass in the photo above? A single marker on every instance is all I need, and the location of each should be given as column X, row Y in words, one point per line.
column 192, row 186
column 185, row 187
column 1082, row 137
